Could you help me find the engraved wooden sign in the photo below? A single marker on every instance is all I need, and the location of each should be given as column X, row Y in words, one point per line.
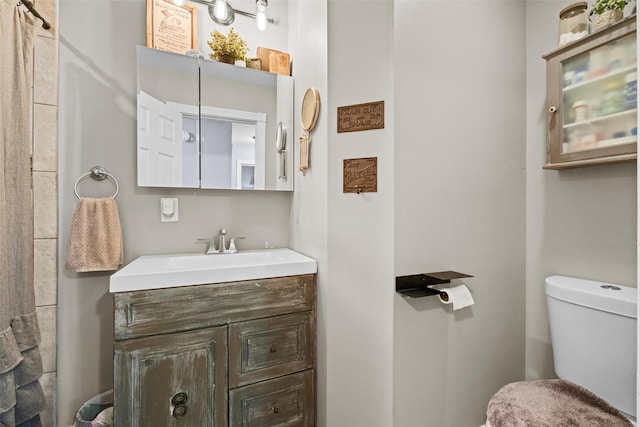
column 352, row 118
column 360, row 175
column 171, row 28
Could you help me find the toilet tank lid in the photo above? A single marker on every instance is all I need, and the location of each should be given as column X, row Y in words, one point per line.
column 592, row 294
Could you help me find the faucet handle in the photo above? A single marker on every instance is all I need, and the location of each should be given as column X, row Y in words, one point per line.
column 211, row 241
column 232, row 245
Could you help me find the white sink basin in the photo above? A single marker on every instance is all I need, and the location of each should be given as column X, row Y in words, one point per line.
column 168, row 271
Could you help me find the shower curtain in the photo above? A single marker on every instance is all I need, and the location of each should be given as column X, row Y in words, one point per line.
column 21, row 396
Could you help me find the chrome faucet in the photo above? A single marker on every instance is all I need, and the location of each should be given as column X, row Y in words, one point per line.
column 221, row 247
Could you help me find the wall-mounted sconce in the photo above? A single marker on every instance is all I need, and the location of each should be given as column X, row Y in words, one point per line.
column 222, row 13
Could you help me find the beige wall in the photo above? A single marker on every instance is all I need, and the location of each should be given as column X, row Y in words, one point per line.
column 580, row 222
column 45, row 166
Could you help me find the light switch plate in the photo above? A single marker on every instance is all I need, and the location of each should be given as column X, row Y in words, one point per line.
column 168, row 209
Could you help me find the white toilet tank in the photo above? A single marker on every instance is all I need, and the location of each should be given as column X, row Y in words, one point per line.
column 593, row 334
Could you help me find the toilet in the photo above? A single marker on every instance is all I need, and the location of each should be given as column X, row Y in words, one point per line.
column 593, row 335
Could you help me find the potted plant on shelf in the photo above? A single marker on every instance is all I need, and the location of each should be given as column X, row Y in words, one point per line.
column 608, row 12
column 229, row 48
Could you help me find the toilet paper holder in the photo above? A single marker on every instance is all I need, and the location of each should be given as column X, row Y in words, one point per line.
column 419, row 285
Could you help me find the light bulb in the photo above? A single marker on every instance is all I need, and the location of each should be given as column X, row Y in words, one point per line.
column 220, row 10
column 261, row 16
column 178, row 2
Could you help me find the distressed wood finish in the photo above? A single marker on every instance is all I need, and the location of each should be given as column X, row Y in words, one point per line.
column 286, row 401
column 150, row 371
column 170, row 310
column 559, row 120
column 271, row 347
column 178, row 340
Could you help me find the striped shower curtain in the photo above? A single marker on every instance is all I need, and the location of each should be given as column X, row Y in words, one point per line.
column 21, row 396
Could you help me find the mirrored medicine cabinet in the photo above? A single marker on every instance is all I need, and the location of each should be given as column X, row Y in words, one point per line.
column 205, row 124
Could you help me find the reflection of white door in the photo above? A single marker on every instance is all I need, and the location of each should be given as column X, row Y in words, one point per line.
column 159, row 143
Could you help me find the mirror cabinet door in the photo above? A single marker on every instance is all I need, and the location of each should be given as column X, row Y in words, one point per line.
column 167, row 146
column 202, row 124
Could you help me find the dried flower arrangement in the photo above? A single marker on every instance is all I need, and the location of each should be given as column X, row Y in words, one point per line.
column 230, row 46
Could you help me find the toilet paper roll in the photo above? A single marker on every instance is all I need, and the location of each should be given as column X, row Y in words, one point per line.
column 459, row 296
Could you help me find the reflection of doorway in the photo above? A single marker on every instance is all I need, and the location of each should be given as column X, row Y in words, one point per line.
column 220, row 151
column 245, row 174
column 159, row 143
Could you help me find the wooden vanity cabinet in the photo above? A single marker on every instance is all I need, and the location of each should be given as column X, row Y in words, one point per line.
column 591, row 109
column 237, row 354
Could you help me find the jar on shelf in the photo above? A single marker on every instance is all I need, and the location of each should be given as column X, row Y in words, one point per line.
column 612, row 101
column 616, row 56
column 574, row 23
column 580, row 111
column 630, row 90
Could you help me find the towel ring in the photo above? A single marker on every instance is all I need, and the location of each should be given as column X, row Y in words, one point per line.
column 98, row 173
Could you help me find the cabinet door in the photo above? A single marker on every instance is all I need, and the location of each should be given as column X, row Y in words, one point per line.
column 175, row 380
column 286, row 401
column 272, row 347
column 592, row 102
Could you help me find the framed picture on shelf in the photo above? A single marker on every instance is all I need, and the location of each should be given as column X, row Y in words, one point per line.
column 171, row 28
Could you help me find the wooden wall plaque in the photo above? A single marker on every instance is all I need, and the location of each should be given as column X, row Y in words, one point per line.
column 360, row 175
column 352, row 118
column 171, row 28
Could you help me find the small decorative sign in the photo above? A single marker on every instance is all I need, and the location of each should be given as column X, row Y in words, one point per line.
column 171, row 28
column 352, row 118
column 360, row 175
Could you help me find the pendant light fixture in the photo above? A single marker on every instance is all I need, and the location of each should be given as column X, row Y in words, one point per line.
column 221, row 12
column 221, row 9
column 261, row 15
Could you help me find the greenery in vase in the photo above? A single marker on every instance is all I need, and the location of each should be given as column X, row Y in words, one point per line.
column 601, row 6
column 231, row 45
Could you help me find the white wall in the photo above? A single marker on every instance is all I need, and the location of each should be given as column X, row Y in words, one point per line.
column 360, row 300
column 97, row 127
column 459, row 85
column 309, row 212
column 349, row 234
column 451, row 195
column 580, row 222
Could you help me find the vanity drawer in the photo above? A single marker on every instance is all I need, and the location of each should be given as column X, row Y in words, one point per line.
column 162, row 311
column 271, row 347
column 285, row 401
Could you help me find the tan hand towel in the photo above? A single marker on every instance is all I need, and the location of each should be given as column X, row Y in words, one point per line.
column 95, row 239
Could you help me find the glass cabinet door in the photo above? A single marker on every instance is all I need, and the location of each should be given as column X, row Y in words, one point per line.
column 599, row 97
column 592, row 99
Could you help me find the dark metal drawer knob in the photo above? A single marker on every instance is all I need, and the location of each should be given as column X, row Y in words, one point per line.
column 272, row 349
column 179, row 398
column 275, row 409
column 179, row 411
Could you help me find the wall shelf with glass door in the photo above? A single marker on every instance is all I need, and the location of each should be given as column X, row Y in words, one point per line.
column 592, row 99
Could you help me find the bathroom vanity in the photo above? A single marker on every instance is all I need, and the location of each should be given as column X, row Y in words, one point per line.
column 230, row 353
